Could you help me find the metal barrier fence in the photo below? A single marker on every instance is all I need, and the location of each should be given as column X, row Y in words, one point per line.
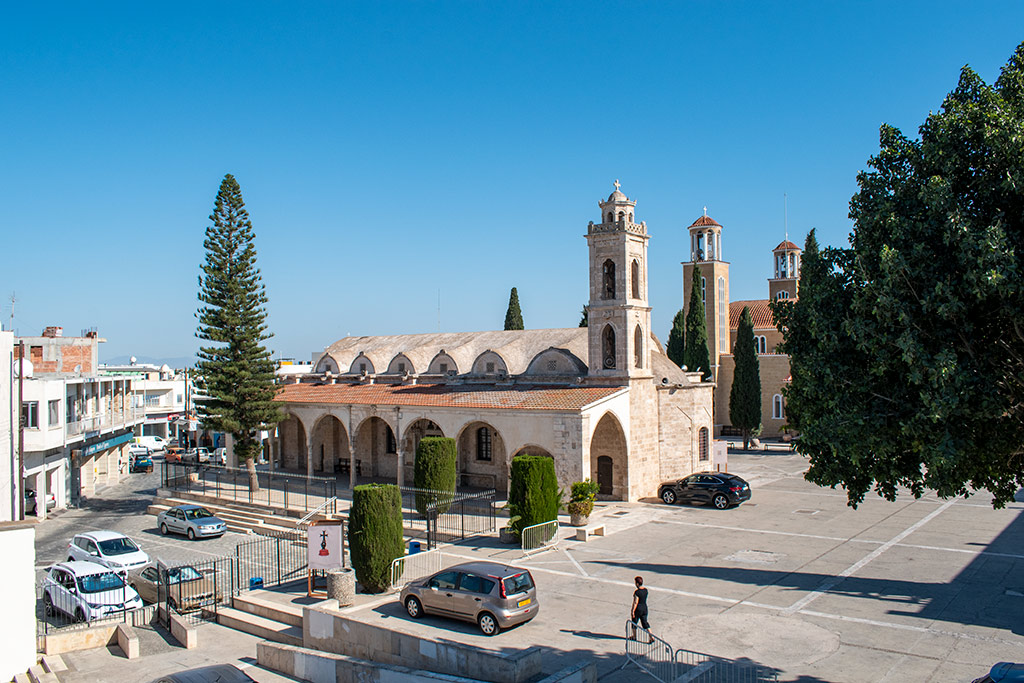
column 657, row 658
column 540, row 536
column 415, row 566
column 277, row 490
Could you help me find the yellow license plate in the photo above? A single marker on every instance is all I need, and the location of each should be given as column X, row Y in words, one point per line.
column 524, row 603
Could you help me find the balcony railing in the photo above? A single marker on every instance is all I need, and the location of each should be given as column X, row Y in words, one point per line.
column 94, row 423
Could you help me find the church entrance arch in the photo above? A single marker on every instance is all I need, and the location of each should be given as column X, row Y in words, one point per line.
column 483, row 459
column 376, row 450
column 608, row 458
column 330, row 445
column 292, row 435
column 411, row 440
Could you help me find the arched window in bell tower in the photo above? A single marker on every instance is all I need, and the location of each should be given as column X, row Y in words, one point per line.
column 638, row 347
column 634, row 275
column 608, row 288
column 608, row 348
column 611, row 217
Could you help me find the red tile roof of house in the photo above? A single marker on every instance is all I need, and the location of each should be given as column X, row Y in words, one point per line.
column 447, row 396
column 704, row 220
column 760, row 313
column 785, row 245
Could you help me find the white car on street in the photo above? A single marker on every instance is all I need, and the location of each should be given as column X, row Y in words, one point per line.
column 107, row 548
column 86, row 591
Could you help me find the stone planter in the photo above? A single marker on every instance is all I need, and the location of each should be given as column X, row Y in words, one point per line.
column 505, row 535
column 341, row 586
column 578, row 520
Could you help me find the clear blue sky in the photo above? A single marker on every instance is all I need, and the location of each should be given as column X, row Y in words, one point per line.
column 387, row 152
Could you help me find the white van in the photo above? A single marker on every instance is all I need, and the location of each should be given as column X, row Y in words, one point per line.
column 153, row 443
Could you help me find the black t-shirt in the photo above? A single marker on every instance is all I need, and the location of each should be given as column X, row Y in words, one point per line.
column 641, row 599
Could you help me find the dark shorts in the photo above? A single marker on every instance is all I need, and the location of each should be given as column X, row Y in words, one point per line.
column 640, row 617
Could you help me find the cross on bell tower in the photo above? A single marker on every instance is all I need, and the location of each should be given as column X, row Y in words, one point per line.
column 619, row 317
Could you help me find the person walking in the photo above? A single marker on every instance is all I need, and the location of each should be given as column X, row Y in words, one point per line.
column 638, row 613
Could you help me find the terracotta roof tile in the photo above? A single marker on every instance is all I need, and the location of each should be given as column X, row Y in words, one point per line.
column 446, row 396
column 785, row 245
column 760, row 313
column 704, row 221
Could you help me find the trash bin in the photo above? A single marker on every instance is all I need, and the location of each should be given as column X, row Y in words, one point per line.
column 414, row 547
column 255, row 582
column 341, row 585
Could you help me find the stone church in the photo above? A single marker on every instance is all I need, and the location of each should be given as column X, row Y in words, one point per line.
column 723, row 319
column 603, row 401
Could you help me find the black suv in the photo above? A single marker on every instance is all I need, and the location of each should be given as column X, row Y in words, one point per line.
column 721, row 489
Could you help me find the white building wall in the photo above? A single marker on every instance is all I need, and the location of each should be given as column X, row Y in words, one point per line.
column 17, row 576
column 8, row 432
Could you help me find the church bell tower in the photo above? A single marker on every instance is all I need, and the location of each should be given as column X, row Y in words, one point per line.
column 706, row 257
column 619, row 317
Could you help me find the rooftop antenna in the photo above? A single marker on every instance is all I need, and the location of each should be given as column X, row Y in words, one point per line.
column 13, row 300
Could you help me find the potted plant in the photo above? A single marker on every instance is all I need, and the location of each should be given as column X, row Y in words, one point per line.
column 581, row 501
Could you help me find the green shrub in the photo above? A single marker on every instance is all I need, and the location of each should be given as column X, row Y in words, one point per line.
column 534, row 496
column 435, row 469
column 375, row 534
column 581, row 499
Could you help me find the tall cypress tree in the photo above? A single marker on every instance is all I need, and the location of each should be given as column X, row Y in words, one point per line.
column 513, row 316
column 584, row 317
column 745, row 395
column 237, row 371
column 696, row 355
column 676, row 348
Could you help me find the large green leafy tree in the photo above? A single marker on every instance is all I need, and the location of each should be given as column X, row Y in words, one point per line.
column 696, row 355
column 745, row 394
column 676, row 349
column 918, row 326
column 513, row 316
column 236, row 368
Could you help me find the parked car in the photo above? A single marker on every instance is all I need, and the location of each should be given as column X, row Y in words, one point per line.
column 191, row 520
column 137, row 449
column 197, row 455
column 108, row 548
column 172, row 454
column 185, row 588
column 720, row 489
column 493, row 595
column 153, row 443
column 141, row 463
column 216, row 673
column 1003, row 672
column 220, row 456
column 30, row 502
column 86, row 591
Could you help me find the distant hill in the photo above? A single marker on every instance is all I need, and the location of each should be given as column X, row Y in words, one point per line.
column 175, row 363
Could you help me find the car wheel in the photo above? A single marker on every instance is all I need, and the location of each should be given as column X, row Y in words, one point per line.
column 70, row 559
column 79, row 615
column 668, row 496
column 720, row 501
column 413, row 607
column 163, row 529
column 48, row 605
column 191, row 534
column 488, row 624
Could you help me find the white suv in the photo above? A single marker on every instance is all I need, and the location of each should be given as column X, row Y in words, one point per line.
column 107, row 548
column 86, row 591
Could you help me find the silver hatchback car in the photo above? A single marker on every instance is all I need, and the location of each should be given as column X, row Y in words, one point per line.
column 192, row 520
column 493, row 595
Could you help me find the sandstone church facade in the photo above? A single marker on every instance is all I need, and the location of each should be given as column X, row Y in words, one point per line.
column 603, row 401
column 723, row 318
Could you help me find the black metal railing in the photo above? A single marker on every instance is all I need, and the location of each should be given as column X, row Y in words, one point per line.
column 446, row 516
column 66, row 603
column 276, row 490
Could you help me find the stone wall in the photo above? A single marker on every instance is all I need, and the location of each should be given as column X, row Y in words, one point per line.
column 774, row 370
column 683, row 411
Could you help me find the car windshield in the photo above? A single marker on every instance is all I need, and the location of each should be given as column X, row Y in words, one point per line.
column 179, row 574
column 97, row 583
column 118, row 546
column 197, row 513
column 518, row 583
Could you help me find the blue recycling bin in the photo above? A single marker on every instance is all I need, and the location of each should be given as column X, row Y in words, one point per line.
column 255, row 582
column 414, row 547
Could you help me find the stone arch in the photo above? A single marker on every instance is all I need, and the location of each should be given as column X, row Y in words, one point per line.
column 411, row 439
column 330, row 444
column 609, row 461
column 375, row 446
column 442, row 364
column 532, row 449
column 608, row 347
column 400, row 364
column 326, row 364
column 291, row 433
column 489, row 363
column 622, row 216
column 608, row 280
column 552, row 361
column 361, row 364
column 483, row 457
column 634, row 277
column 611, row 216
column 638, row 347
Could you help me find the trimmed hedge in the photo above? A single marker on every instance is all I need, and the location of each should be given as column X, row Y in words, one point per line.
column 533, row 494
column 375, row 534
column 434, row 469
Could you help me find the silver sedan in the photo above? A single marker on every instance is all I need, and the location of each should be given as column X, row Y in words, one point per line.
column 194, row 521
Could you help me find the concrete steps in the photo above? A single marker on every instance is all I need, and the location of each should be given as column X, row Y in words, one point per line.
column 37, row 674
column 258, row 626
column 253, row 603
column 44, row 672
column 239, row 517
